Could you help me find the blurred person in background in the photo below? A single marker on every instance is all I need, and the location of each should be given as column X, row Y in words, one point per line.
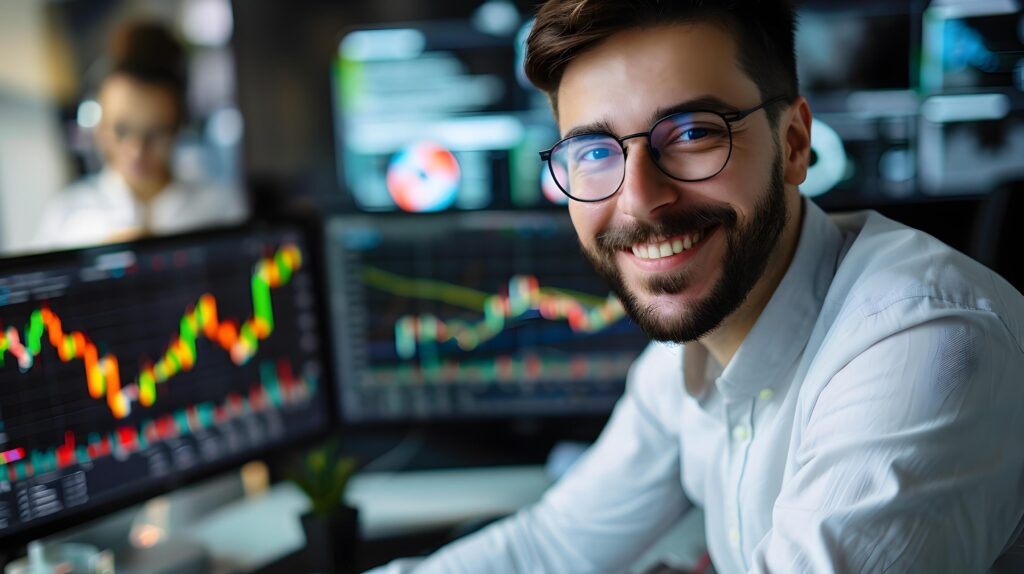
column 142, row 100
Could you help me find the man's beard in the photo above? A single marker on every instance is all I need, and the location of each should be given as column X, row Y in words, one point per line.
column 748, row 249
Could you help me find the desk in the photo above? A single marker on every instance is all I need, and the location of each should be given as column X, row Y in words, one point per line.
column 400, row 514
column 248, row 534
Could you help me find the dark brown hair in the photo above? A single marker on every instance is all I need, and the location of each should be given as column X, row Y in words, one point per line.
column 148, row 52
column 764, row 31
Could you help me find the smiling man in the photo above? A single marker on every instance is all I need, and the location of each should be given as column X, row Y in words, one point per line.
column 839, row 394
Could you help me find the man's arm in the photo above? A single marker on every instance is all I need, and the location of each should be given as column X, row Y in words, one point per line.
column 622, row 494
column 910, row 459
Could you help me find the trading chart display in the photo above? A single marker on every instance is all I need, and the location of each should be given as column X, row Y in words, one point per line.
column 124, row 367
column 475, row 316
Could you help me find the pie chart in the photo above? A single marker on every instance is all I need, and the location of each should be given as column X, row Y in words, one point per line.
column 423, row 178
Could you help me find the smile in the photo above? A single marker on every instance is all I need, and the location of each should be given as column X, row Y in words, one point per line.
column 663, row 247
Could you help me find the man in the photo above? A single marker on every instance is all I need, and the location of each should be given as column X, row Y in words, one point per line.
column 848, row 391
column 143, row 108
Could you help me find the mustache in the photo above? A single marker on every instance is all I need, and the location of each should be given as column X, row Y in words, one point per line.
column 624, row 237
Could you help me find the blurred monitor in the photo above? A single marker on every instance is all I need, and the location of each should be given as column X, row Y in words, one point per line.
column 972, row 128
column 858, row 67
column 474, row 315
column 974, row 45
column 436, row 116
column 870, row 46
column 128, row 369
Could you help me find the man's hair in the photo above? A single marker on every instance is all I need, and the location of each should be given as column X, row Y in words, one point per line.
column 764, row 31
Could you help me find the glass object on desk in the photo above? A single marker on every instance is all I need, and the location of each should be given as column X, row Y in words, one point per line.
column 67, row 558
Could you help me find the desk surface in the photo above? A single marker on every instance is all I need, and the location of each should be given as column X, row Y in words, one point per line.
column 390, row 504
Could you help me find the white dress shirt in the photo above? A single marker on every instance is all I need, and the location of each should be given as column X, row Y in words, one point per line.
column 102, row 208
column 870, row 422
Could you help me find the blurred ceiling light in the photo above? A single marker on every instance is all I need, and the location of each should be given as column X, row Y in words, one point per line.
column 897, row 165
column 225, row 126
column 208, row 22
column 89, row 114
column 966, row 108
column 497, row 17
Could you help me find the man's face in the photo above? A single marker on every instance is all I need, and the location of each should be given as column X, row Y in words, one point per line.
column 733, row 221
column 137, row 130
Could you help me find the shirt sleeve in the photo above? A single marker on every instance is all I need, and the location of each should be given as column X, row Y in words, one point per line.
column 910, row 458
column 617, row 499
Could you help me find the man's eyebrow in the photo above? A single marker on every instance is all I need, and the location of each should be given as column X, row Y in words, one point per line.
column 600, row 126
column 702, row 103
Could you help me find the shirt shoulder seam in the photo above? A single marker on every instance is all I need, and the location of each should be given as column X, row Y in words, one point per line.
column 958, row 305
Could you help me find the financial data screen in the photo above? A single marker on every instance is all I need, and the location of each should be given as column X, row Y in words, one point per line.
column 125, row 367
column 438, row 116
column 472, row 316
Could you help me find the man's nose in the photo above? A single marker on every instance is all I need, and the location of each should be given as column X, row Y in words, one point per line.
column 645, row 189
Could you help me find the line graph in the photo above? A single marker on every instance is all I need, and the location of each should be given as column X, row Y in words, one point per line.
column 127, row 367
column 102, row 372
column 584, row 313
column 278, row 387
column 481, row 315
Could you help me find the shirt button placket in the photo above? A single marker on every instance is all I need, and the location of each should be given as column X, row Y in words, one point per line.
column 734, row 537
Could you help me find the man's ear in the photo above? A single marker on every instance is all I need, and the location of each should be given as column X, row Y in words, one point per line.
column 796, row 135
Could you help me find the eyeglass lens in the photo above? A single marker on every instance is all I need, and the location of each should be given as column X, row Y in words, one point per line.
column 686, row 146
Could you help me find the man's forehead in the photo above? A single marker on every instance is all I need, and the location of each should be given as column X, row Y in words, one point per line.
column 628, row 77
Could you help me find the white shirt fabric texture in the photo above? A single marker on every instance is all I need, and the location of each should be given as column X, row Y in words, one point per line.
column 870, row 422
column 101, row 207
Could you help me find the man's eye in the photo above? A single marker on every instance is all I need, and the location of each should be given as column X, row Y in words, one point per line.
column 693, row 134
column 596, row 154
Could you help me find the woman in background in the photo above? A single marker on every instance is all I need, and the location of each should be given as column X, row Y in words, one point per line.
column 136, row 194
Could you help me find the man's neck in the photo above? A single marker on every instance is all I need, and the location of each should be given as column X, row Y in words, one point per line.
column 723, row 342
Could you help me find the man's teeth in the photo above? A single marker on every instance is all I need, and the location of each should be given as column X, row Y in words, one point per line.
column 667, row 247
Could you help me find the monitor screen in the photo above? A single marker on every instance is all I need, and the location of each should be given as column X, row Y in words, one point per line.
column 127, row 369
column 473, row 315
column 437, row 116
column 973, row 47
column 863, row 47
column 857, row 67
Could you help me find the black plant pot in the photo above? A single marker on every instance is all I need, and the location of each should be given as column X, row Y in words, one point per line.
column 331, row 540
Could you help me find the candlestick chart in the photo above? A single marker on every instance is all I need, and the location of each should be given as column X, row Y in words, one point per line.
column 124, row 367
column 484, row 317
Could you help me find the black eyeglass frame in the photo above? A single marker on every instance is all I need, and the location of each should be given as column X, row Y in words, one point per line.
column 728, row 117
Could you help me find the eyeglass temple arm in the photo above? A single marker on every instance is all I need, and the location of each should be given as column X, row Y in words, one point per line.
column 737, row 116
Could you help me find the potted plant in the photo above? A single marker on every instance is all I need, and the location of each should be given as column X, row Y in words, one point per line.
column 331, row 526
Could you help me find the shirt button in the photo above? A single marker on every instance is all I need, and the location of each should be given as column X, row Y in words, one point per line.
column 740, row 433
column 734, row 537
column 766, row 394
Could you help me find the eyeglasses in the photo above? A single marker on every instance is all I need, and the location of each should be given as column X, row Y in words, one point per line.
column 687, row 146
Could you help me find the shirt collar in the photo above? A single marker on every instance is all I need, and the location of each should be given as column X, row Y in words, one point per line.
column 781, row 332
column 114, row 188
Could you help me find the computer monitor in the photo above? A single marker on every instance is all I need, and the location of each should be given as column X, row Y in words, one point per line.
column 857, row 66
column 478, row 315
column 438, row 116
column 128, row 369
